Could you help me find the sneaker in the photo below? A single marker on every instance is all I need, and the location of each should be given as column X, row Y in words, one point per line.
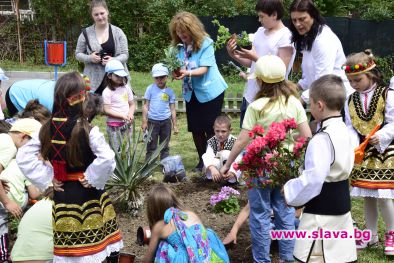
column 389, row 243
column 361, row 244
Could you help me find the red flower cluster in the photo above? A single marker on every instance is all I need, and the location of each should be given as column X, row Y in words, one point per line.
column 269, row 158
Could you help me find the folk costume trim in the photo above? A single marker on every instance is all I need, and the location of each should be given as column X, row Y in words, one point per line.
column 364, row 122
column 217, row 146
column 377, row 169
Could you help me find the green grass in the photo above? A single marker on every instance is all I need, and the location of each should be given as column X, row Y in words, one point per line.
column 182, row 144
column 139, row 80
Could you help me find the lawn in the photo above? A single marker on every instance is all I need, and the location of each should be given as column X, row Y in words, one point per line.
column 182, row 144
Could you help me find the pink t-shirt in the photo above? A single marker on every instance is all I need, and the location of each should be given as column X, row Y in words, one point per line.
column 118, row 100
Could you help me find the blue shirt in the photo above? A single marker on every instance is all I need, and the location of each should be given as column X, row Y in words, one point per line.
column 159, row 102
column 23, row 91
column 209, row 85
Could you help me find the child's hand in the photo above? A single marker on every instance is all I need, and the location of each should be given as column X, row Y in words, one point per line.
column 229, row 175
column 230, row 238
column 248, row 54
column 5, row 185
column 176, row 130
column 224, row 170
column 216, row 176
column 374, row 140
column 85, row 182
column 57, row 185
column 144, row 126
column 130, row 117
column 14, row 209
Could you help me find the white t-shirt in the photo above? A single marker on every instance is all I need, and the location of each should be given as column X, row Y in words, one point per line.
column 392, row 83
column 325, row 57
column 265, row 45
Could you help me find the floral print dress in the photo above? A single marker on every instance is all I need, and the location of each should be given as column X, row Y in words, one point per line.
column 194, row 244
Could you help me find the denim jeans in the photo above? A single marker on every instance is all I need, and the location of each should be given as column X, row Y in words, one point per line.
column 261, row 201
column 161, row 130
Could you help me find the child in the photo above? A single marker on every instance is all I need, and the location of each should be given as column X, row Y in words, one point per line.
column 218, row 149
column 276, row 100
column 323, row 186
column 35, row 110
column 178, row 235
column 80, row 164
column 159, row 112
column 373, row 179
column 19, row 134
column 273, row 37
column 118, row 103
column 3, row 77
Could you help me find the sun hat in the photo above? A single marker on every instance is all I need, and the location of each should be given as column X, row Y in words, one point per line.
column 270, row 69
column 159, row 70
column 27, row 126
column 2, row 75
column 116, row 67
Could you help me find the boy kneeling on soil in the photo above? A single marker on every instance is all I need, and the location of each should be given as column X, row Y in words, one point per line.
column 218, row 150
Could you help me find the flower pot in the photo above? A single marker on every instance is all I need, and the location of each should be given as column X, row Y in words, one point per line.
column 143, row 235
column 248, row 47
column 176, row 73
column 126, row 258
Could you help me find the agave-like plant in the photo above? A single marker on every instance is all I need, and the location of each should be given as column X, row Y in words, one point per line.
column 132, row 170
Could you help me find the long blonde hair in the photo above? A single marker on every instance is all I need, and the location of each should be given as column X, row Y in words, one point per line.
column 274, row 91
column 187, row 22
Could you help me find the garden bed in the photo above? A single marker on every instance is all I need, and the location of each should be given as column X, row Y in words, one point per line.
column 195, row 195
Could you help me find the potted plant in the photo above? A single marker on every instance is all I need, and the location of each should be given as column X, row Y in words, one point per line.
column 224, row 36
column 132, row 170
column 171, row 60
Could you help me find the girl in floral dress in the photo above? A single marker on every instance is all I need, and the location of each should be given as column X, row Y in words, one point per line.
column 181, row 236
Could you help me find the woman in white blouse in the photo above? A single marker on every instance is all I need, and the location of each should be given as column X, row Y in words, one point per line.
column 321, row 49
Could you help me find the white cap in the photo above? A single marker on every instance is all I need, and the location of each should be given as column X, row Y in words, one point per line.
column 116, row 67
column 270, row 69
column 159, row 70
column 2, row 75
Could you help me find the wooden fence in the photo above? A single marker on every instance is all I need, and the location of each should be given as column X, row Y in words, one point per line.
column 232, row 103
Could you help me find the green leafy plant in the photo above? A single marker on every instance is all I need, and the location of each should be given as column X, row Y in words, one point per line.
column 171, row 60
column 224, row 35
column 132, row 170
column 226, row 201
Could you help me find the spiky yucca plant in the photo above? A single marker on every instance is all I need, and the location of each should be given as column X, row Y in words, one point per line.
column 132, row 170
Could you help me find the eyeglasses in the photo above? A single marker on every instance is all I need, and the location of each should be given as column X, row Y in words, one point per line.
column 160, row 77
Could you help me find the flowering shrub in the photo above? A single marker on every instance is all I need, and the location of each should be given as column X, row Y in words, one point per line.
column 269, row 159
column 226, row 201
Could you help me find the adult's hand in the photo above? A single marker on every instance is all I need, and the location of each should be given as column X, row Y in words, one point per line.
column 95, row 57
column 105, row 60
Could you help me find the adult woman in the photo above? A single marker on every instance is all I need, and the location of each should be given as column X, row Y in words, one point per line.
column 203, row 85
column 321, row 49
column 98, row 43
column 273, row 37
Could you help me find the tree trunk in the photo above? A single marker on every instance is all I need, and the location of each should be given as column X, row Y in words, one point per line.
column 18, row 28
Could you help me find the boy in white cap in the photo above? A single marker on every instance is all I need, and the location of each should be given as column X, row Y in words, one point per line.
column 19, row 134
column 159, row 112
column 2, row 78
column 118, row 103
column 276, row 100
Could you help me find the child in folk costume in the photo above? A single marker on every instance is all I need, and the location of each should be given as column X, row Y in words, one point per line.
column 78, row 159
column 218, row 150
column 372, row 104
column 323, row 186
